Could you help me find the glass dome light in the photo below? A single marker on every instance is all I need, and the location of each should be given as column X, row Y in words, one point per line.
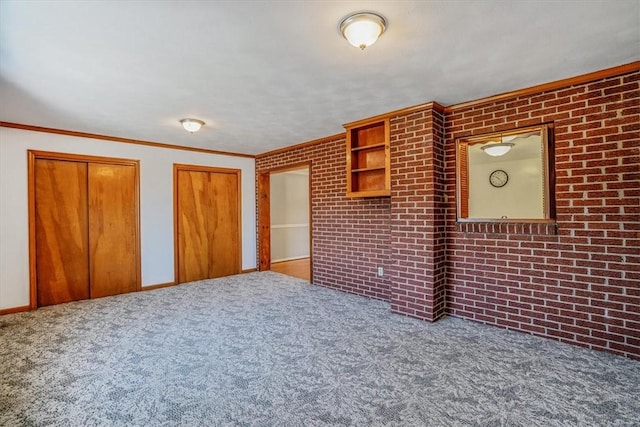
column 497, row 149
column 363, row 29
column 192, row 125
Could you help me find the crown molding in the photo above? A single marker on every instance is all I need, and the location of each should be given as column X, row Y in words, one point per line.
column 118, row 139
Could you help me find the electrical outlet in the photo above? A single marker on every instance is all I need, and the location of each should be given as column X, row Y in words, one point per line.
column 380, row 272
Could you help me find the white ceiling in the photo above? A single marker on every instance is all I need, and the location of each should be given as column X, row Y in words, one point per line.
column 269, row 74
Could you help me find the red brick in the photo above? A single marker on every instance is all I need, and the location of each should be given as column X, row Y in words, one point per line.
column 578, row 284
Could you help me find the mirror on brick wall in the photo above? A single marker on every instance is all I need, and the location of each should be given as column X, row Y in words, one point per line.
column 506, row 176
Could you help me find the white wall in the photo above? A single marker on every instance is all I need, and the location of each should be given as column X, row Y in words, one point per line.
column 289, row 193
column 156, row 203
column 520, row 198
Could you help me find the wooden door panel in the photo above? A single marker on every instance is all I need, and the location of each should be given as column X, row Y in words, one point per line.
column 193, row 243
column 61, row 226
column 223, row 225
column 112, row 229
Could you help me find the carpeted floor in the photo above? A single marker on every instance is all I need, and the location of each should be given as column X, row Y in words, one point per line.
column 263, row 349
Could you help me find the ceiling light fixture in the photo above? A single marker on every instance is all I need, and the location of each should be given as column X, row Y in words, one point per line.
column 192, row 125
column 498, row 148
column 363, row 29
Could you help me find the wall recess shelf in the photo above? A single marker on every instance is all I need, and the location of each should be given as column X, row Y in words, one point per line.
column 368, row 159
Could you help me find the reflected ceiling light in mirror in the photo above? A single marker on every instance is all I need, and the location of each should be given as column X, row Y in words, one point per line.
column 363, row 29
column 497, row 149
column 192, row 125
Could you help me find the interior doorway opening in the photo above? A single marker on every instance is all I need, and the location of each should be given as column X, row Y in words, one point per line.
column 285, row 221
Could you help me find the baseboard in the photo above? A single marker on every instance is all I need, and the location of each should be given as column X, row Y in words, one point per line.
column 275, row 261
column 158, row 286
column 14, row 309
column 249, row 270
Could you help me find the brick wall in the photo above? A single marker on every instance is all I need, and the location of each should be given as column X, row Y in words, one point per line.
column 417, row 218
column 581, row 285
column 577, row 281
column 350, row 237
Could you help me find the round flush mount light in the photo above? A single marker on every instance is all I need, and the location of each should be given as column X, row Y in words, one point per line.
column 363, row 29
column 192, row 125
column 497, row 149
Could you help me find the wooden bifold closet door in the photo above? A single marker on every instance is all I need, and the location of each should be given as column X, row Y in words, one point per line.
column 112, row 229
column 62, row 245
column 207, row 214
column 84, row 227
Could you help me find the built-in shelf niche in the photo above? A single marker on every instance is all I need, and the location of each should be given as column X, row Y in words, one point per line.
column 368, row 159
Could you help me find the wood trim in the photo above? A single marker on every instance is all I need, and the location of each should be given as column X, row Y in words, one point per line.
column 264, row 220
column 198, row 168
column 401, row 112
column 158, row 286
column 15, row 309
column 290, row 167
column 249, row 270
column 387, row 154
column 463, row 179
column 240, row 221
column 475, row 139
column 32, row 156
column 550, row 170
column 83, row 158
column 349, row 158
column 310, row 224
column 119, row 139
column 138, row 226
column 210, row 169
column 31, row 212
column 301, row 145
column 558, row 84
column 295, row 258
column 175, row 225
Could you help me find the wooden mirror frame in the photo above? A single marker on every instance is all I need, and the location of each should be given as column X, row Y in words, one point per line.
column 548, row 171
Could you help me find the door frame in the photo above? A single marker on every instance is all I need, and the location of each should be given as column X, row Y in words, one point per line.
column 196, row 168
column 32, row 156
column 264, row 215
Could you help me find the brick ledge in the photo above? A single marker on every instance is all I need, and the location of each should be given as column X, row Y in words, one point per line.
column 543, row 228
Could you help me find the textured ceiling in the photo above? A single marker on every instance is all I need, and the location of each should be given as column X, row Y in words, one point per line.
column 265, row 75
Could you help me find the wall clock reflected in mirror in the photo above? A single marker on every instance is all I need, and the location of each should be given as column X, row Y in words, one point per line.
column 498, row 178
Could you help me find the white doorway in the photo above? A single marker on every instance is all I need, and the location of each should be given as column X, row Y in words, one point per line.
column 290, row 222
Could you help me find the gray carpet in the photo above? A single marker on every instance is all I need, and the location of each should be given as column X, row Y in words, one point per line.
column 263, row 349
